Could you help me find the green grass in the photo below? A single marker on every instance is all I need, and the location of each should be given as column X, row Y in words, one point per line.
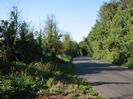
column 44, row 78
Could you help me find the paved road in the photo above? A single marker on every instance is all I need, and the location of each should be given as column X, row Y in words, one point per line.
column 110, row 81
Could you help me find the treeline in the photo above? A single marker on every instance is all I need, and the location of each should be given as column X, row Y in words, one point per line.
column 20, row 42
column 111, row 38
column 36, row 63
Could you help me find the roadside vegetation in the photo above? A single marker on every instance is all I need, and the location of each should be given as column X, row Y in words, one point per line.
column 37, row 64
column 111, row 38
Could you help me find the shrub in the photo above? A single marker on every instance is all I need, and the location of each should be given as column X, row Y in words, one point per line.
column 5, row 84
column 22, row 82
column 42, row 70
column 129, row 64
column 51, row 82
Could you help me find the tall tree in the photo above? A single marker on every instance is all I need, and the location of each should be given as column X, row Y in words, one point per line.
column 52, row 43
column 9, row 32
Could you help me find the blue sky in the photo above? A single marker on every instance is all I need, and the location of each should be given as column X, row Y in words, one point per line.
column 76, row 17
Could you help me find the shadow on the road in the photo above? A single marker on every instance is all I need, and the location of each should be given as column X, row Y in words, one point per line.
column 128, row 96
column 86, row 66
column 102, row 83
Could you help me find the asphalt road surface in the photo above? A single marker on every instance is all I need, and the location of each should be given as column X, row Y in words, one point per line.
column 109, row 81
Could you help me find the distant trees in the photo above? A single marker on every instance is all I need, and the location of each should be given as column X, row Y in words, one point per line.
column 83, row 48
column 111, row 38
column 70, row 47
column 55, row 43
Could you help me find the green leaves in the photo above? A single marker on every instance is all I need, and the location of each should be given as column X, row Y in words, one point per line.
column 5, row 84
column 70, row 47
column 110, row 38
column 51, row 40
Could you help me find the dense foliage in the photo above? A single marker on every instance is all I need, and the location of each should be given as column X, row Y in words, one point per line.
column 35, row 66
column 70, row 47
column 18, row 41
column 111, row 38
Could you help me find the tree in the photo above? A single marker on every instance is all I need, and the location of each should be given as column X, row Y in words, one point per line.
column 51, row 40
column 17, row 41
column 111, row 37
column 66, row 43
column 70, row 47
column 27, row 45
column 9, row 32
column 83, row 48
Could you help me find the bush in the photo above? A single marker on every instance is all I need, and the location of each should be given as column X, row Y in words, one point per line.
column 51, row 82
column 42, row 70
column 5, row 84
column 129, row 64
column 22, row 82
